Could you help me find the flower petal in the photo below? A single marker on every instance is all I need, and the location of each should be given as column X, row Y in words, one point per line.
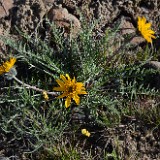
column 61, row 83
column 76, row 98
column 74, row 80
column 82, row 92
column 68, row 101
column 63, row 95
column 68, row 77
column 63, row 78
column 59, row 89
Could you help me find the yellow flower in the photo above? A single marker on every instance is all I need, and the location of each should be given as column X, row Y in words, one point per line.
column 70, row 89
column 6, row 66
column 45, row 95
column 85, row 132
column 145, row 29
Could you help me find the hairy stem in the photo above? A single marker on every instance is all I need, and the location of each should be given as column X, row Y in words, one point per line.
column 33, row 87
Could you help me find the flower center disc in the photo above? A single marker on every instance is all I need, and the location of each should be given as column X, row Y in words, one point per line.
column 71, row 89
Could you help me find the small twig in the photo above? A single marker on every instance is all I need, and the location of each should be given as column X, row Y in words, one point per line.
column 33, row 87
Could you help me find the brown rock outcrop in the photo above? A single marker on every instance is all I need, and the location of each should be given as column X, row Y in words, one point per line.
column 62, row 18
column 5, row 6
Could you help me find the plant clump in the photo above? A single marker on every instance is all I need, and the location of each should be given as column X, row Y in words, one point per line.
column 111, row 90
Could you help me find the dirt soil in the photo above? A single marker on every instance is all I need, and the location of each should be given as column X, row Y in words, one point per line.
column 27, row 15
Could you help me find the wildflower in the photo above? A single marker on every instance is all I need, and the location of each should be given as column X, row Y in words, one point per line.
column 145, row 29
column 85, row 132
column 70, row 89
column 45, row 95
column 6, row 66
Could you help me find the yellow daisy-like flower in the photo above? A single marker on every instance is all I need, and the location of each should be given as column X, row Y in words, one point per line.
column 85, row 132
column 6, row 66
column 70, row 88
column 45, row 95
column 145, row 29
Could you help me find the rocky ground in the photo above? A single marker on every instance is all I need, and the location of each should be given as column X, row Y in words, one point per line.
column 27, row 15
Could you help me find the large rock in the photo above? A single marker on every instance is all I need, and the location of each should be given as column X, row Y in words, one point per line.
column 62, row 18
column 5, row 6
column 28, row 15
